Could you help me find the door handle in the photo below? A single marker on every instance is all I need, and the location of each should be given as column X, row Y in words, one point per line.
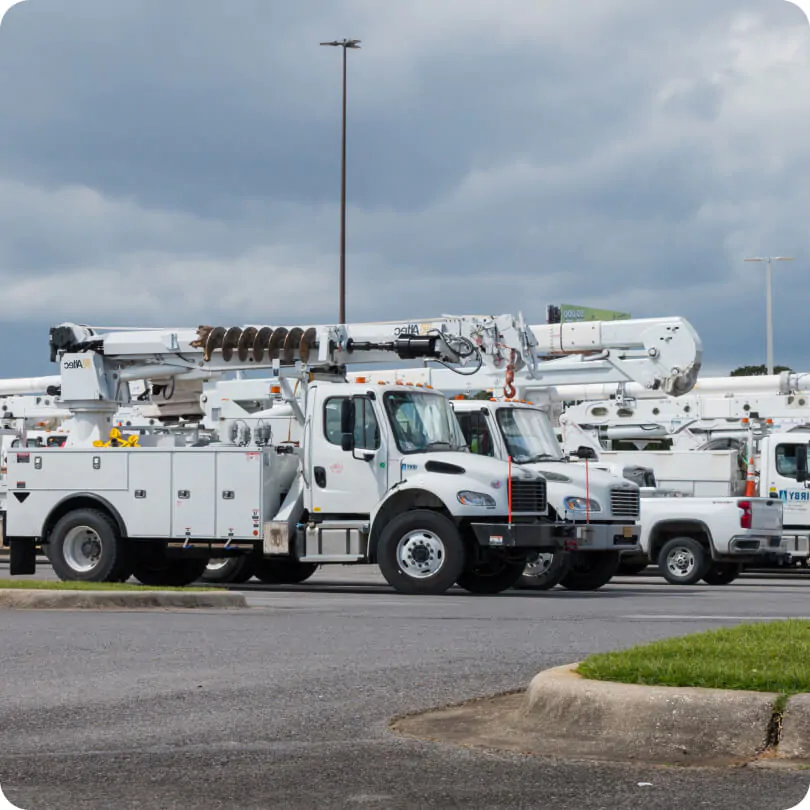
column 320, row 476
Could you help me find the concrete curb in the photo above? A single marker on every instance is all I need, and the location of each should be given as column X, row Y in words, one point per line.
column 128, row 600
column 565, row 715
column 663, row 724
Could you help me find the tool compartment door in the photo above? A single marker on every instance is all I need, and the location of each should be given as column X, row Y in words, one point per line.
column 148, row 512
column 239, row 495
column 193, row 493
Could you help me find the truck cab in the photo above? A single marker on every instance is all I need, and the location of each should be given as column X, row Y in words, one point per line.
column 387, row 477
column 603, row 508
column 783, row 474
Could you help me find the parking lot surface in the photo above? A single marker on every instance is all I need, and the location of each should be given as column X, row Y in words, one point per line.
column 287, row 704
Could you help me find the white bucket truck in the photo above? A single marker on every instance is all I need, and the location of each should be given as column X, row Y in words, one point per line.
column 382, row 474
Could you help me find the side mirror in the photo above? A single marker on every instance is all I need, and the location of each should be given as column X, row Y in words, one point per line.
column 801, row 463
column 347, row 424
column 586, row 452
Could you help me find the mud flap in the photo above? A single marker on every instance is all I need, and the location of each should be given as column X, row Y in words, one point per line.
column 23, row 557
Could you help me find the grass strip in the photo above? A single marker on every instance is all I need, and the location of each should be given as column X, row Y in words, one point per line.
column 759, row 657
column 46, row 585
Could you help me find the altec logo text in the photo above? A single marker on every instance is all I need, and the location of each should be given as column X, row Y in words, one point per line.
column 71, row 364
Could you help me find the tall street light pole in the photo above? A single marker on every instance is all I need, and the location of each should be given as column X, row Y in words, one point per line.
column 769, row 298
column 345, row 44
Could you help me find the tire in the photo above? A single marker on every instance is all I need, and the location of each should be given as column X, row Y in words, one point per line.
column 228, row 569
column 85, row 546
column 543, row 571
column 494, row 574
column 155, row 569
column 684, row 561
column 722, row 573
column 282, row 571
column 590, row 570
column 421, row 552
column 630, row 569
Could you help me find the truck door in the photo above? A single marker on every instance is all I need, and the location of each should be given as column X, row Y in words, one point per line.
column 346, row 483
column 476, row 432
column 782, row 483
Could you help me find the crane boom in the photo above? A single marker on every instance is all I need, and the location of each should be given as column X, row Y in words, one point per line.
column 661, row 355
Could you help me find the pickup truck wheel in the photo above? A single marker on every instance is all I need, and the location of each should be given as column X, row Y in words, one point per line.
column 722, row 573
column 544, row 570
column 421, row 551
column 85, row 545
column 169, row 572
column 228, row 569
column 590, row 570
column 493, row 574
column 683, row 561
column 283, row 572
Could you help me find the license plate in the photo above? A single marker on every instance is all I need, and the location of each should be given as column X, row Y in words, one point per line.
column 496, row 540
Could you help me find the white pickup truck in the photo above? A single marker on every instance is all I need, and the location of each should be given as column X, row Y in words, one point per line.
column 690, row 538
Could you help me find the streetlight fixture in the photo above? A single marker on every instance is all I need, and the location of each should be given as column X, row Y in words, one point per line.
column 769, row 298
column 345, row 44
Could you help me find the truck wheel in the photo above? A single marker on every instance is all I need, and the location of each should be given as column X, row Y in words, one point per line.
column 228, row 569
column 683, row 561
column 493, row 574
column 630, row 569
column 283, row 572
column 85, row 545
column 421, row 551
column 544, row 571
column 157, row 570
column 722, row 573
column 590, row 570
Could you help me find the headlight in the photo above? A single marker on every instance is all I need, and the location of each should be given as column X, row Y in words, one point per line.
column 467, row 498
column 574, row 504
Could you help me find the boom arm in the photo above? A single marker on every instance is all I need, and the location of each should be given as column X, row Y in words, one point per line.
column 662, row 355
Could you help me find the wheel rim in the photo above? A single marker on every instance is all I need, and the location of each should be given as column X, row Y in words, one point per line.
column 217, row 563
column 82, row 549
column 538, row 565
column 420, row 554
column 681, row 562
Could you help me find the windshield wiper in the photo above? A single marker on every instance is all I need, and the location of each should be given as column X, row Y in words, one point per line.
column 448, row 445
column 532, row 459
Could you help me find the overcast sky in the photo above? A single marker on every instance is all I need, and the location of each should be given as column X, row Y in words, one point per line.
column 175, row 162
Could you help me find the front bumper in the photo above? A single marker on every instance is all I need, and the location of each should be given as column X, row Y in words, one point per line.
column 606, row 536
column 545, row 536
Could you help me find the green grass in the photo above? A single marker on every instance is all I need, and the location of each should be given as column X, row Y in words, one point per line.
column 44, row 585
column 761, row 657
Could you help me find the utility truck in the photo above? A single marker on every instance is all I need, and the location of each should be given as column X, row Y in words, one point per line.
column 381, row 475
column 604, row 507
column 737, row 451
column 661, row 354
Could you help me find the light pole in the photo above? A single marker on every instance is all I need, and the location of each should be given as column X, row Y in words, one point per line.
column 345, row 44
column 769, row 298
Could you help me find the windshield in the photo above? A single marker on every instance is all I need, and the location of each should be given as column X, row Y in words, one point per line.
column 423, row 422
column 528, row 435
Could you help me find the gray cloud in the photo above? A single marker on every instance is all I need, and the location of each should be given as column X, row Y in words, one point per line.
column 168, row 160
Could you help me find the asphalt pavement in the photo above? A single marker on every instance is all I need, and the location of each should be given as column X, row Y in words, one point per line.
column 287, row 704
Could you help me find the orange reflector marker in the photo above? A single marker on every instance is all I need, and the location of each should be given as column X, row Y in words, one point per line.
column 360, row 380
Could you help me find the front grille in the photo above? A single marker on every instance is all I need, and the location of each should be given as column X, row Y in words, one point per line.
column 529, row 496
column 625, row 503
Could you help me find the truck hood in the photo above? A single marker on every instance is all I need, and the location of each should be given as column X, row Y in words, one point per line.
column 491, row 472
column 555, row 471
